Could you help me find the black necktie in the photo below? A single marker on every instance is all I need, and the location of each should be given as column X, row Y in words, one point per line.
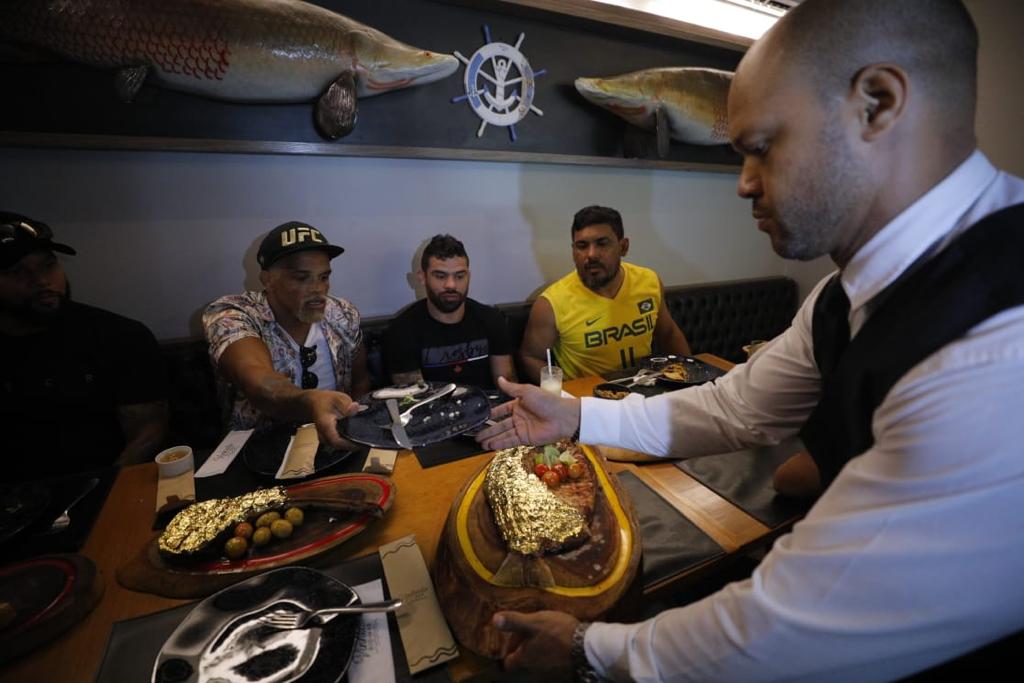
column 830, row 327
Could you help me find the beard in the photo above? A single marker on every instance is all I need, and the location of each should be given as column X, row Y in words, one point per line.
column 36, row 313
column 446, row 305
column 809, row 223
column 310, row 315
column 600, row 279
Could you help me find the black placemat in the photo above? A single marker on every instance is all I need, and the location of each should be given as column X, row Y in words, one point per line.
column 134, row 644
column 744, row 478
column 33, row 541
column 671, row 543
column 449, row 450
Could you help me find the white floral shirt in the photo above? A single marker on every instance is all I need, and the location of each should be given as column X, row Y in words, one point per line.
column 239, row 316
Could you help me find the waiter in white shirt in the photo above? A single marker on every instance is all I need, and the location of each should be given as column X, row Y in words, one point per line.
column 902, row 372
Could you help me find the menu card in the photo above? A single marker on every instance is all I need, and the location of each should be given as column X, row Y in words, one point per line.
column 372, row 661
column 225, row 453
column 425, row 634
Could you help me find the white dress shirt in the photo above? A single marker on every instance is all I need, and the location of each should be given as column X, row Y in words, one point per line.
column 915, row 553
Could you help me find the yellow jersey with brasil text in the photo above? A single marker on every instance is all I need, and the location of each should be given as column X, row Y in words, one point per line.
column 597, row 334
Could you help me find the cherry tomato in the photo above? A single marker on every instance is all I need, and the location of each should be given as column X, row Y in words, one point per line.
column 539, row 469
column 561, row 470
column 576, row 470
column 551, row 478
column 243, row 530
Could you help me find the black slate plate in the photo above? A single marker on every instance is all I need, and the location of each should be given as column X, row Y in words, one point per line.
column 461, row 411
column 263, row 453
column 222, row 637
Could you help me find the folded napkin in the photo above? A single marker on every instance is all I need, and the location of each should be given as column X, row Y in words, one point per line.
column 299, row 459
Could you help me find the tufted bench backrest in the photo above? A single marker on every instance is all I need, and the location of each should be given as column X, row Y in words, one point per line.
column 721, row 317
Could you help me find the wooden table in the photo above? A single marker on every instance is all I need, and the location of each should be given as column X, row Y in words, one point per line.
column 421, row 506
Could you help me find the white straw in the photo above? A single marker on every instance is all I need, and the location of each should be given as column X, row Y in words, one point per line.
column 549, row 360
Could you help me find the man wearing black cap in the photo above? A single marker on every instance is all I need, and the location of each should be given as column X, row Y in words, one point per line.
column 80, row 387
column 290, row 353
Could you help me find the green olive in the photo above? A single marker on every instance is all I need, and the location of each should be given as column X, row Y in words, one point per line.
column 281, row 528
column 235, row 547
column 268, row 518
column 261, row 537
column 295, row 516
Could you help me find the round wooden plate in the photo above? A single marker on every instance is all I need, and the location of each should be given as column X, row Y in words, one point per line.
column 586, row 582
column 323, row 529
column 45, row 596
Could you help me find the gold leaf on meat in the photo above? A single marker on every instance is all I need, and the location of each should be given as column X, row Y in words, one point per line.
column 199, row 525
column 528, row 515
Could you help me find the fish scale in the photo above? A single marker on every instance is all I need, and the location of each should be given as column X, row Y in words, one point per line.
column 114, row 34
column 235, row 50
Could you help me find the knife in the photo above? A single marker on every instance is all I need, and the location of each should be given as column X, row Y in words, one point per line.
column 397, row 430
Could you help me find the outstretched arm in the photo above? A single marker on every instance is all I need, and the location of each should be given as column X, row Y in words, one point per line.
column 246, row 363
column 534, row 417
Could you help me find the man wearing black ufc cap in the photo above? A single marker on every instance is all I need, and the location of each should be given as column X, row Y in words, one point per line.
column 290, row 353
column 80, row 387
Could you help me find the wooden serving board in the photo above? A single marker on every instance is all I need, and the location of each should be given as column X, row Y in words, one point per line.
column 324, row 528
column 587, row 582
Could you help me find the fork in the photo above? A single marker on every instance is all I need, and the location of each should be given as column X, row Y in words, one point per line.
column 635, row 379
column 406, row 415
column 286, row 619
column 64, row 521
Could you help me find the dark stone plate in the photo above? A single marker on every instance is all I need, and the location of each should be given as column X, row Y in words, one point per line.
column 263, row 454
column 223, row 637
column 462, row 411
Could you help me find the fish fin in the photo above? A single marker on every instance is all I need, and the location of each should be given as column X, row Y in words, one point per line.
column 335, row 112
column 661, row 131
column 129, row 80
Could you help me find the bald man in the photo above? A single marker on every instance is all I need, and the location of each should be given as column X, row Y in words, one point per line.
column 901, row 372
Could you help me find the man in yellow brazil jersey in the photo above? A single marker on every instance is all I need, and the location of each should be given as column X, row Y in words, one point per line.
column 605, row 315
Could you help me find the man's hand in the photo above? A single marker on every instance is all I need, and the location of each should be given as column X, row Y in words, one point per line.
column 541, row 641
column 535, row 417
column 326, row 408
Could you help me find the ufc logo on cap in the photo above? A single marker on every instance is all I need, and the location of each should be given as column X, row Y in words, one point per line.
column 294, row 235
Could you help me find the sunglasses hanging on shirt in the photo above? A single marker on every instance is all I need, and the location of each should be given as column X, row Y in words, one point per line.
column 307, row 356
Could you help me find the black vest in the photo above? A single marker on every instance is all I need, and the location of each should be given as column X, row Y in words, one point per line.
column 975, row 277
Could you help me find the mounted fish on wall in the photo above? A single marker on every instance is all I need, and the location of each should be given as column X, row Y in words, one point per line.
column 249, row 51
column 687, row 104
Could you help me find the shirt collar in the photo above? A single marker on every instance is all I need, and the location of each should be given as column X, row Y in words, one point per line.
column 921, row 225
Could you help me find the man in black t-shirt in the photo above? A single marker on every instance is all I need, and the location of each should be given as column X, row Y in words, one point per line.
column 448, row 337
column 80, row 387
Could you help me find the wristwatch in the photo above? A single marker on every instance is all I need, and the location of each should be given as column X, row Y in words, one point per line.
column 582, row 672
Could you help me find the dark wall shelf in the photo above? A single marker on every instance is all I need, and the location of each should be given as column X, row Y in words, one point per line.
column 62, row 104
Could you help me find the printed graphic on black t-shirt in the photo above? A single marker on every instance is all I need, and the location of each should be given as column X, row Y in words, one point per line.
column 458, row 352
column 454, row 354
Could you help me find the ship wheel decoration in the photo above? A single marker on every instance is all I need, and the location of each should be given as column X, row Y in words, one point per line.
column 500, row 84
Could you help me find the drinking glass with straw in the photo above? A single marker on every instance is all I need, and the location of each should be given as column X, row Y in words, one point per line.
column 551, row 377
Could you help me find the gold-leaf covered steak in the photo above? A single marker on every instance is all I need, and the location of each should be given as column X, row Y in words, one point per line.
column 532, row 518
column 200, row 525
